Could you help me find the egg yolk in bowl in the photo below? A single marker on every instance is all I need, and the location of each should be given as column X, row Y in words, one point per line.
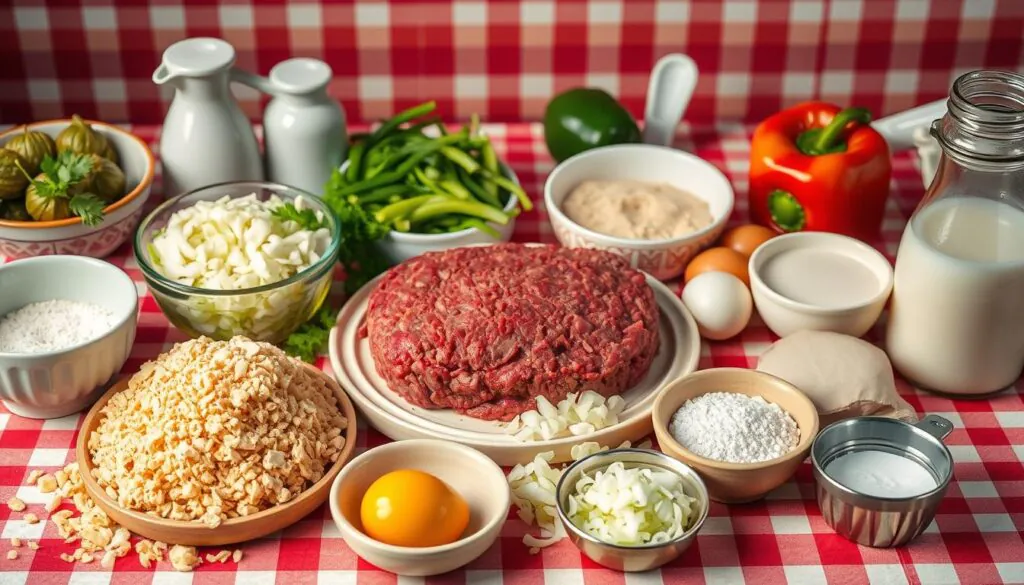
column 414, row 509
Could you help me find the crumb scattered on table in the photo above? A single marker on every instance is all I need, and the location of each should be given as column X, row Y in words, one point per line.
column 46, row 483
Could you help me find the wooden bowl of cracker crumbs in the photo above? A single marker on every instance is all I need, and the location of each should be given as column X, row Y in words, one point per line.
column 199, row 532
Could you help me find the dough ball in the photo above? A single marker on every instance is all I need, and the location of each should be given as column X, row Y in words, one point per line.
column 844, row 376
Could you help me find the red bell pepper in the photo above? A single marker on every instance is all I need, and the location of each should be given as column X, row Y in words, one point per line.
column 816, row 167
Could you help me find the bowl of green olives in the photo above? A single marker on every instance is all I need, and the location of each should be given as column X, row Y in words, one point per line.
column 71, row 186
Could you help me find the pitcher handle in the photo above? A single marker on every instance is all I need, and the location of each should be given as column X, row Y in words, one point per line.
column 257, row 82
column 935, row 426
column 898, row 129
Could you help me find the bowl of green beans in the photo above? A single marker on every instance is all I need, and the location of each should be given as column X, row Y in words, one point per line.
column 414, row 185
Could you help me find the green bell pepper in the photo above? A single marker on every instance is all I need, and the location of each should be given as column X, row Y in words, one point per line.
column 584, row 118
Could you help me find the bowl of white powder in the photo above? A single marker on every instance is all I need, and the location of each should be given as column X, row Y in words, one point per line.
column 744, row 431
column 67, row 324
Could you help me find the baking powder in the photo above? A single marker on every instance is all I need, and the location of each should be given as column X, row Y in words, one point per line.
column 734, row 427
column 881, row 474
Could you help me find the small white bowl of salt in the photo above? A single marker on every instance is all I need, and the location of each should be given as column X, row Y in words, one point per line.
column 67, row 325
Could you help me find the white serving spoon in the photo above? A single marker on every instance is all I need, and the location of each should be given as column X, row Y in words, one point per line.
column 673, row 80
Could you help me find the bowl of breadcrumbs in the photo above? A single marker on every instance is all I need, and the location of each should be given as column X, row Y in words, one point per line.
column 216, row 442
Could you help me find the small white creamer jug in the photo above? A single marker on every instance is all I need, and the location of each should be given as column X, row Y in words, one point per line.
column 304, row 137
column 206, row 138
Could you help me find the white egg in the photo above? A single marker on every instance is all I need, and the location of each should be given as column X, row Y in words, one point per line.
column 719, row 302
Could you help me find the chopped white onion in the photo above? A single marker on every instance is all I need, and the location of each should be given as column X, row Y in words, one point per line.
column 576, row 415
column 632, row 506
column 533, row 492
column 235, row 244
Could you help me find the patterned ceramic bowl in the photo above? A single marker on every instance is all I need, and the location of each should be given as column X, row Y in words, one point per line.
column 663, row 259
column 21, row 239
column 52, row 384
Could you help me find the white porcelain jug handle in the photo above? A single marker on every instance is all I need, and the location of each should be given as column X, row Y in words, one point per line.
column 898, row 129
column 669, row 91
column 257, row 82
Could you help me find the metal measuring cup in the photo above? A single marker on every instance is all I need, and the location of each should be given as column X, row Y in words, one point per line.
column 871, row 520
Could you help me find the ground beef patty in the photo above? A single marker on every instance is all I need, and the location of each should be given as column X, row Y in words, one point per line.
column 484, row 330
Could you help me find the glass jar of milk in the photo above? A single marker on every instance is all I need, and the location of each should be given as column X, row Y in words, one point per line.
column 957, row 316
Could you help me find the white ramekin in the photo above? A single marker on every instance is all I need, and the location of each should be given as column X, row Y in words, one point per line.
column 785, row 316
column 663, row 259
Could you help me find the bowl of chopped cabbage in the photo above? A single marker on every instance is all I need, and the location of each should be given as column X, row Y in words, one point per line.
column 631, row 509
column 243, row 258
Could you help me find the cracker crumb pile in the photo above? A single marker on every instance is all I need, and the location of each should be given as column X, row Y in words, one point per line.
column 213, row 430
column 209, row 431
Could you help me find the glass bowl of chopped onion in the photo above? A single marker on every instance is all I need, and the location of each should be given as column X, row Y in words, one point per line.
column 245, row 258
column 631, row 510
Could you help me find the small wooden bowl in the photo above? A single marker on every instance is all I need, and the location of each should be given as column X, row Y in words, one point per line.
column 232, row 530
column 734, row 483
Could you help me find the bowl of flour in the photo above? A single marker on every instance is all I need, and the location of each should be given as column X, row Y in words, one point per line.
column 67, row 325
column 744, row 431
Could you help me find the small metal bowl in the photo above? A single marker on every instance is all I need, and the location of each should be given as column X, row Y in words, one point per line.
column 630, row 558
column 871, row 520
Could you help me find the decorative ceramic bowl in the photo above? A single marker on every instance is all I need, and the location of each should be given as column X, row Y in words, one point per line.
column 22, row 239
column 265, row 313
column 664, row 259
column 58, row 383
column 398, row 247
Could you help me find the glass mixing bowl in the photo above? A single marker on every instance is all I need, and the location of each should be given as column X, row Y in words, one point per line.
column 269, row 312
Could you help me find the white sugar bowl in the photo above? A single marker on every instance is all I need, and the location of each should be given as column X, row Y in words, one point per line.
column 53, row 384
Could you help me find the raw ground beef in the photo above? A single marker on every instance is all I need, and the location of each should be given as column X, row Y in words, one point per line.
column 484, row 330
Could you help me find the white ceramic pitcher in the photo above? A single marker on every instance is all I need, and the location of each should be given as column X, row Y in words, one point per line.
column 206, row 138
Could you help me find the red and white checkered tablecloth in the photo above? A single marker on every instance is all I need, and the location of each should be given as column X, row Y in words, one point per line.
column 504, row 59
column 975, row 539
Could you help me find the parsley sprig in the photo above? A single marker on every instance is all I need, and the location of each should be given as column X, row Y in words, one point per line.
column 310, row 339
column 63, row 178
column 359, row 257
column 306, row 218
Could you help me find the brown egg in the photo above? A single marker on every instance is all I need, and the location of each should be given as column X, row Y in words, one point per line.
column 719, row 259
column 746, row 238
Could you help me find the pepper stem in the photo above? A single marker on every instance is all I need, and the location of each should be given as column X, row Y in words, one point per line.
column 825, row 141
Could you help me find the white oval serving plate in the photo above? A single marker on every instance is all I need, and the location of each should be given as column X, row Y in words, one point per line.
column 353, row 366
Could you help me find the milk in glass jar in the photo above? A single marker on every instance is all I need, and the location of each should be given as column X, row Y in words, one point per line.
column 957, row 316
